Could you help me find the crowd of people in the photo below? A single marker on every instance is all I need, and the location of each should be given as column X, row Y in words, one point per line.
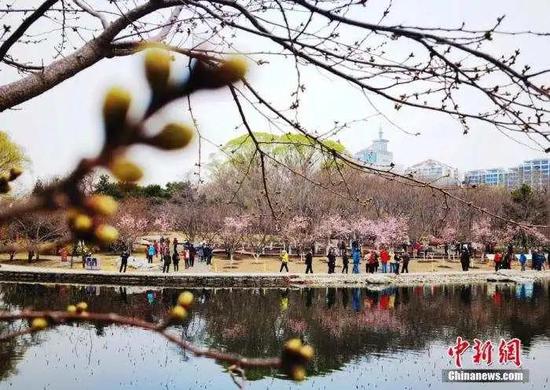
column 397, row 260
column 505, row 260
column 384, row 259
column 169, row 252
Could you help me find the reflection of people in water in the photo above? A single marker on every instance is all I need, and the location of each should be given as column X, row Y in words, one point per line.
column 345, row 297
column 150, row 296
column 309, row 297
column 123, row 295
column 205, row 294
column 284, row 300
column 331, row 297
column 466, row 294
column 356, row 299
column 91, row 290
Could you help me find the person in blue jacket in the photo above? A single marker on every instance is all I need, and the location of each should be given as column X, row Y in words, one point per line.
column 522, row 260
column 356, row 256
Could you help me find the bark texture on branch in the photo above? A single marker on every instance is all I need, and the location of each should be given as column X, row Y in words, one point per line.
column 20, row 91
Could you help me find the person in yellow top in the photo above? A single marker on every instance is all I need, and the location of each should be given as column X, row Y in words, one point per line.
column 284, row 261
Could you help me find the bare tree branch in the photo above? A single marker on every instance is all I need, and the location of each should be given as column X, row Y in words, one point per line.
column 91, row 11
column 13, row 38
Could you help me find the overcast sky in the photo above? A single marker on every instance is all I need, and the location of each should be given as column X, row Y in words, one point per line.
column 64, row 124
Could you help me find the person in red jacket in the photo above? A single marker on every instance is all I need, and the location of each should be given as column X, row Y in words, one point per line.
column 371, row 262
column 384, row 258
column 498, row 260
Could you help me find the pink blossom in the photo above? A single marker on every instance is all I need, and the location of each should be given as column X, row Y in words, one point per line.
column 482, row 232
column 162, row 223
column 233, row 231
column 299, row 232
column 390, row 230
column 334, row 226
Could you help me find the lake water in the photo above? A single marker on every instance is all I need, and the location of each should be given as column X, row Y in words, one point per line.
column 392, row 339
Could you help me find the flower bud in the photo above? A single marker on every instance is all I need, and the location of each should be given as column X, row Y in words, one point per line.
column 209, row 76
column 15, row 173
column 178, row 313
column 306, row 352
column 233, row 69
column 115, row 109
column 185, row 299
column 173, row 136
column 102, row 204
column 293, row 346
column 39, row 324
column 81, row 223
column 125, row 170
column 157, row 68
column 298, row 373
column 106, row 234
column 4, row 185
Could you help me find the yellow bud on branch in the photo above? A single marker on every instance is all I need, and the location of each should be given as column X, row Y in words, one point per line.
column 185, row 299
column 39, row 324
column 125, row 170
column 82, row 223
column 102, row 204
column 106, row 234
column 157, row 68
column 233, row 69
column 178, row 313
column 173, row 136
column 81, row 306
column 115, row 109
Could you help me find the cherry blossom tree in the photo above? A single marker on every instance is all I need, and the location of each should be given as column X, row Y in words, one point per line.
column 333, row 226
column 299, row 232
column 525, row 237
column 365, row 230
column 233, row 232
column 448, row 234
column 259, row 234
column 163, row 223
column 130, row 228
column 391, row 231
column 483, row 234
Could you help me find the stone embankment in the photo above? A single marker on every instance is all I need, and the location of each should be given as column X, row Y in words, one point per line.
column 262, row 280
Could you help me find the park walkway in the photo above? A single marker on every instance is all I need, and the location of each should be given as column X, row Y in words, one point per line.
column 199, row 276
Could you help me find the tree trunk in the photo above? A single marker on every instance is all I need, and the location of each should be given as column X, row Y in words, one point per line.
column 30, row 256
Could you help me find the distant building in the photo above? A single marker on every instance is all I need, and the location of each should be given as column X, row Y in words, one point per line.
column 535, row 173
column 377, row 153
column 491, row 177
column 435, row 172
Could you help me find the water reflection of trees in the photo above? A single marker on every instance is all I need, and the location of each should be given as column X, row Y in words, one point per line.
column 342, row 324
